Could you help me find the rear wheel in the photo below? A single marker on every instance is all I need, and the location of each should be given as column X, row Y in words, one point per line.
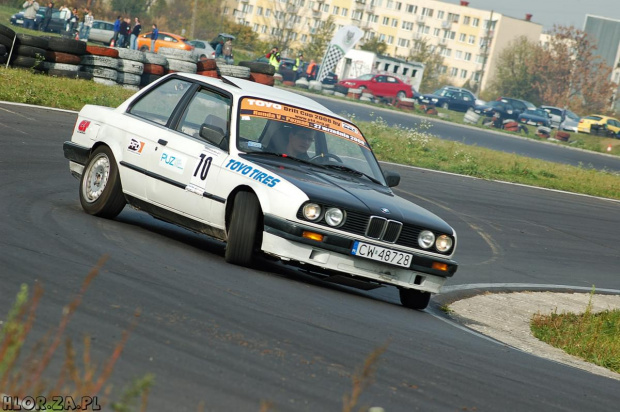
column 243, row 233
column 414, row 299
column 401, row 95
column 101, row 193
column 144, row 48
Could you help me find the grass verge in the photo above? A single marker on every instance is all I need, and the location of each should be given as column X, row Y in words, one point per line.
column 594, row 337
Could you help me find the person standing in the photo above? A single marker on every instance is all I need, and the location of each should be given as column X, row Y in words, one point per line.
column 299, row 63
column 117, row 29
column 48, row 16
column 65, row 15
column 274, row 57
column 312, row 70
column 88, row 24
column 123, row 29
column 154, row 36
column 30, row 13
column 135, row 32
column 227, row 52
column 127, row 32
column 73, row 21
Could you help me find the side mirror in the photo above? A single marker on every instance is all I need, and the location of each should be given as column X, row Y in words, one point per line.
column 213, row 134
column 391, row 178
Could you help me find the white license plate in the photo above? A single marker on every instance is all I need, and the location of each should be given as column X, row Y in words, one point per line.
column 381, row 254
column 425, row 101
column 19, row 21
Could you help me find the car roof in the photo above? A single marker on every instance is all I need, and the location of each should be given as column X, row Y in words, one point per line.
column 240, row 87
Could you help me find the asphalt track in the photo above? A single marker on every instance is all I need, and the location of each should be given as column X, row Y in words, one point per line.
column 233, row 337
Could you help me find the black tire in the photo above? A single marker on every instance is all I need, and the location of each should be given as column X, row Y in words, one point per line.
column 148, row 78
column 27, row 62
column 414, row 299
column 7, row 31
column 70, row 74
column 70, row 46
column 144, row 49
column 8, row 42
column 243, row 233
column 341, row 89
column 34, row 41
column 108, row 200
column 31, row 51
column 401, row 95
column 259, row 67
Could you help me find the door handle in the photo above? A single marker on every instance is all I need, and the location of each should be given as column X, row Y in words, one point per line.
column 162, row 142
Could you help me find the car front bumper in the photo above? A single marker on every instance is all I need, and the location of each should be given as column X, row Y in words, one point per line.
column 283, row 239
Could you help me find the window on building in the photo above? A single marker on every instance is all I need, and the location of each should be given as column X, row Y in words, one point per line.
column 443, row 69
column 336, row 10
column 345, row 12
column 255, row 27
column 472, row 39
column 475, row 22
column 467, row 57
column 356, row 15
column 458, row 55
column 403, row 42
column 463, row 74
column 386, row 21
column 427, row 12
column 453, row 17
column 476, row 76
column 411, row 8
column 462, row 37
column 394, row 22
column 480, row 59
column 225, row 10
column 267, row 12
column 426, row 29
column 407, row 25
column 399, row 5
column 454, row 72
column 466, row 20
column 259, row 11
column 390, row 40
column 263, row 29
column 446, row 52
column 440, row 14
column 382, row 37
column 390, row 4
column 436, row 32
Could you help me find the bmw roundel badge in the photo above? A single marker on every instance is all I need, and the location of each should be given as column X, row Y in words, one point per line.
column 385, row 210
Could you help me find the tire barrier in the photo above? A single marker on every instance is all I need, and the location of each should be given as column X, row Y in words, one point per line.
column 100, row 61
column 234, row 71
column 471, row 117
column 154, row 69
column 130, row 66
column 102, row 51
column 203, row 65
column 184, row 66
column 262, row 78
column 177, row 54
column 60, row 57
column 128, row 54
column 259, row 67
column 154, row 58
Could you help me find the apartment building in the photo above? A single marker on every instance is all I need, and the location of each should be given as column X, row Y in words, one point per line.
column 469, row 39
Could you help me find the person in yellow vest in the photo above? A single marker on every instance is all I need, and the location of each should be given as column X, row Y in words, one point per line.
column 299, row 64
column 274, row 58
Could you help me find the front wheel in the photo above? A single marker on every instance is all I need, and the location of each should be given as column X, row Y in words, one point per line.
column 414, row 299
column 445, row 106
column 144, row 48
column 243, row 232
column 401, row 95
column 101, row 193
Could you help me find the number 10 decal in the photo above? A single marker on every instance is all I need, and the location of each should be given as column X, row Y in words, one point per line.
column 203, row 166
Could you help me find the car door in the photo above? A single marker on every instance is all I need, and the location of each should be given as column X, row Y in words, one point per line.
column 188, row 165
column 377, row 85
column 392, row 85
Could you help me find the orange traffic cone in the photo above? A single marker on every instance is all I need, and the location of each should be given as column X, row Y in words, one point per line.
column 112, row 43
column 609, row 148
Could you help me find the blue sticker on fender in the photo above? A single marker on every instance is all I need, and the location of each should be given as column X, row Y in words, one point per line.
column 252, row 172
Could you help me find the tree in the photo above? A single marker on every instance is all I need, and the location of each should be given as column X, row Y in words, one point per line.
column 130, row 7
column 315, row 49
column 513, row 76
column 284, row 22
column 374, row 45
column 424, row 53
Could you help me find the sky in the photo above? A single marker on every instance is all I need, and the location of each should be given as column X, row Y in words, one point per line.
column 550, row 12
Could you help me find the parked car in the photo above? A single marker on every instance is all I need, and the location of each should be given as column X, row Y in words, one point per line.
column 450, row 97
column 221, row 38
column 319, row 200
column 599, row 124
column 562, row 117
column 518, row 105
column 497, row 108
column 101, row 32
column 535, row 117
column 171, row 40
column 55, row 25
column 381, row 85
column 202, row 49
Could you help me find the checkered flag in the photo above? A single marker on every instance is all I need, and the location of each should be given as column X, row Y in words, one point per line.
column 331, row 58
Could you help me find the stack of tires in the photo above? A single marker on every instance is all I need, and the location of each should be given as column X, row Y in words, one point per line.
column 130, row 68
column 302, row 83
column 155, row 66
column 367, row 96
column 562, row 135
column 471, row 116
column 63, row 58
column 28, row 52
column 234, row 71
column 511, row 126
column 7, row 35
column 328, row 89
column 179, row 60
column 354, row 94
column 207, row 67
column 263, row 73
column 103, row 68
column 543, row 132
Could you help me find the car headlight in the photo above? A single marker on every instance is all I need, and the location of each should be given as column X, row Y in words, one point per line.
column 426, row 238
column 434, row 99
column 443, row 243
column 312, row 211
column 334, row 216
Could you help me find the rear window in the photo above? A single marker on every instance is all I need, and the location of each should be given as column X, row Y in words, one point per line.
column 597, row 118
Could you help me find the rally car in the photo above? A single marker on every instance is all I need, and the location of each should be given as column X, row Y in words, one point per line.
column 215, row 156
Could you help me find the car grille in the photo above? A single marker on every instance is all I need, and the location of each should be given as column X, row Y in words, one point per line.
column 379, row 228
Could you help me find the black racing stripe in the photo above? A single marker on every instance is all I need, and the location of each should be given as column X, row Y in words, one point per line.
column 169, row 181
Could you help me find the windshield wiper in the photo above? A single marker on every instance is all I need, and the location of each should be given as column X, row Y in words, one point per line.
column 353, row 171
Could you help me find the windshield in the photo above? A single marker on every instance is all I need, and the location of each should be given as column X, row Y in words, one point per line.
column 293, row 132
column 572, row 115
column 537, row 112
column 365, row 77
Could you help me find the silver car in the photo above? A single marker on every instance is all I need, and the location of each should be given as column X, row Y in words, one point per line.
column 202, row 49
column 101, row 32
column 566, row 118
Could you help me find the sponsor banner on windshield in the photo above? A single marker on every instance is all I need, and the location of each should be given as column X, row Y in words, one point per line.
column 300, row 117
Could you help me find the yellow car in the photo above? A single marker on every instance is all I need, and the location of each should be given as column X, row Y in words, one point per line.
column 599, row 123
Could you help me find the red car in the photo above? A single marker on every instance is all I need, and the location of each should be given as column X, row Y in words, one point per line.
column 381, row 85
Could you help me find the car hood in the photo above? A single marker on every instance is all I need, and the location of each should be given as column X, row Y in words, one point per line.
column 352, row 193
